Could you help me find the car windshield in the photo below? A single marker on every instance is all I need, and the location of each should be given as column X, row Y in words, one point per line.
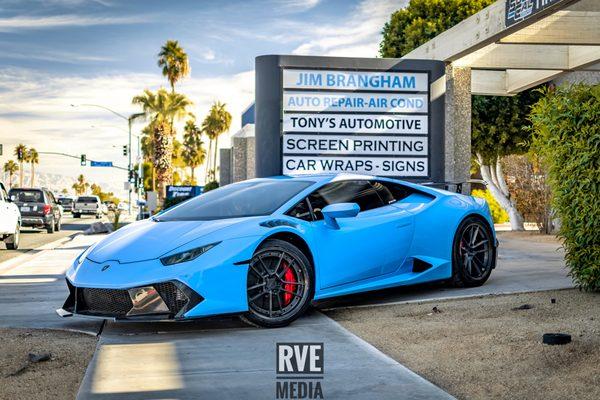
column 27, row 196
column 84, row 199
column 244, row 199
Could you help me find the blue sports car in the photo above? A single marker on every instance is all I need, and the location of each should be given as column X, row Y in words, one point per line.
column 265, row 248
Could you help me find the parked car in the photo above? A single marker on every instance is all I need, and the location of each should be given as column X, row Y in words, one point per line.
column 67, row 203
column 39, row 208
column 266, row 248
column 88, row 205
column 10, row 220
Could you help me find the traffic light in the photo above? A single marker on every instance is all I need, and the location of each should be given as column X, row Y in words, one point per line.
column 125, row 151
column 131, row 176
column 83, row 160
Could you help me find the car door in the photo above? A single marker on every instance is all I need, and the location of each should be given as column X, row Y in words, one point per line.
column 53, row 203
column 363, row 246
column 6, row 213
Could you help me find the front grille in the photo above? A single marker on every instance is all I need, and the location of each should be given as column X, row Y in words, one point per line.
column 117, row 302
column 105, row 301
column 173, row 297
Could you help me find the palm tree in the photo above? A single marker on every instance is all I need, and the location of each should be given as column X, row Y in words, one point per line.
column 148, row 151
column 215, row 124
column 21, row 154
column 174, row 62
column 161, row 108
column 193, row 152
column 10, row 167
column 33, row 159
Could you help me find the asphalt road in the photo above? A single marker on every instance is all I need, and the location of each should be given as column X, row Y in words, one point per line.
column 34, row 238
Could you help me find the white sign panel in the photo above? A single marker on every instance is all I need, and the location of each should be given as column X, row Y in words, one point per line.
column 382, row 166
column 355, row 123
column 355, row 144
column 349, row 102
column 355, row 80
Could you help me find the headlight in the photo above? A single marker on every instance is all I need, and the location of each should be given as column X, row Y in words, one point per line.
column 187, row 255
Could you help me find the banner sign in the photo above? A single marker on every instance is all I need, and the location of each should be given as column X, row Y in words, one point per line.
column 391, row 166
column 369, row 122
column 520, row 10
column 355, row 144
column 363, row 102
column 351, row 81
column 358, row 123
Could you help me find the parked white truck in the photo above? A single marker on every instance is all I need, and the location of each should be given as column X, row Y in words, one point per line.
column 87, row 205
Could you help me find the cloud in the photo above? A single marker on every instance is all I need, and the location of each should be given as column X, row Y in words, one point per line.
column 209, row 55
column 295, row 6
column 19, row 23
column 357, row 36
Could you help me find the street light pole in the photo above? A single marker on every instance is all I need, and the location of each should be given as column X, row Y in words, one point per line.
column 129, row 122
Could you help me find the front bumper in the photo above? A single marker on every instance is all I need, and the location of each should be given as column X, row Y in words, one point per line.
column 164, row 300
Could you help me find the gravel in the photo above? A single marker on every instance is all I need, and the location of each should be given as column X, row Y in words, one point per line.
column 491, row 347
column 27, row 373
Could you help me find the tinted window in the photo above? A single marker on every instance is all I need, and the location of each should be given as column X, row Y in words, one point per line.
column 360, row 192
column 301, row 211
column 244, row 199
column 87, row 199
column 27, row 196
column 65, row 201
column 384, row 192
column 398, row 191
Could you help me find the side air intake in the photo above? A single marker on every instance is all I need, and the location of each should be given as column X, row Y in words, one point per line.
column 420, row 265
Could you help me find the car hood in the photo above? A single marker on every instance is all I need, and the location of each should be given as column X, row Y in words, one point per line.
column 147, row 240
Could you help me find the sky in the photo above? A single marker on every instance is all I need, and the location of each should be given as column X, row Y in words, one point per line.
column 59, row 53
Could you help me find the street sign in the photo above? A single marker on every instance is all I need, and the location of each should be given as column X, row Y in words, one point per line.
column 101, row 163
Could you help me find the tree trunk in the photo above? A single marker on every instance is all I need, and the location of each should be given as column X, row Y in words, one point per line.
column 208, row 161
column 32, row 174
column 494, row 177
column 21, row 174
column 163, row 153
column 215, row 160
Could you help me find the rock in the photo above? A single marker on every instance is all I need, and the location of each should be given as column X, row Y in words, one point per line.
column 523, row 307
column 35, row 358
column 97, row 228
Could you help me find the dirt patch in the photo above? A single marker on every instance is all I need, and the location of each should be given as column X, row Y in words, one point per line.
column 57, row 378
column 491, row 347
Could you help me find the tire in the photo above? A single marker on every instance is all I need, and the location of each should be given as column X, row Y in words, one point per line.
column 50, row 227
column 278, row 295
column 473, row 253
column 98, row 216
column 12, row 242
column 58, row 225
column 76, row 215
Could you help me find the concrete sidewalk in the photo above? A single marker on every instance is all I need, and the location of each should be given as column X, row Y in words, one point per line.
column 32, row 289
column 240, row 364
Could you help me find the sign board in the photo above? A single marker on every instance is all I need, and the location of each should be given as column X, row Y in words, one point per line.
column 355, row 121
column 520, row 10
column 174, row 192
column 375, row 116
column 101, row 163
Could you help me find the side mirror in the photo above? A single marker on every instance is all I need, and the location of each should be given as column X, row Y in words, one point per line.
column 339, row 210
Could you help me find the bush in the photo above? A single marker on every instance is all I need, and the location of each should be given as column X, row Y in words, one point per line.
column 566, row 132
column 212, row 185
column 498, row 214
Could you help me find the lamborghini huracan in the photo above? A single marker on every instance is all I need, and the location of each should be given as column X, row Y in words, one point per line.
column 266, row 248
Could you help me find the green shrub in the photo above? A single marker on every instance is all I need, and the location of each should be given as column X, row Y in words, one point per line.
column 212, row 185
column 498, row 214
column 566, row 133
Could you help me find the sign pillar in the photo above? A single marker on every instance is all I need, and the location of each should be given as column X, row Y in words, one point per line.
column 354, row 115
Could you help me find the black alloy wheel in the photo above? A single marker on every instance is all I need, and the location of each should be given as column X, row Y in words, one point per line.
column 473, row 254
column 280, row 284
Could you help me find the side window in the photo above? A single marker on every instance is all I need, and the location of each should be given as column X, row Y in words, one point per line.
column 301, row 211
column 398, row 191
column 384, row 193
column 360, row 192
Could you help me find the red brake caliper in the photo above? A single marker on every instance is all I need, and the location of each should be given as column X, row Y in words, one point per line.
column 289, row 276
